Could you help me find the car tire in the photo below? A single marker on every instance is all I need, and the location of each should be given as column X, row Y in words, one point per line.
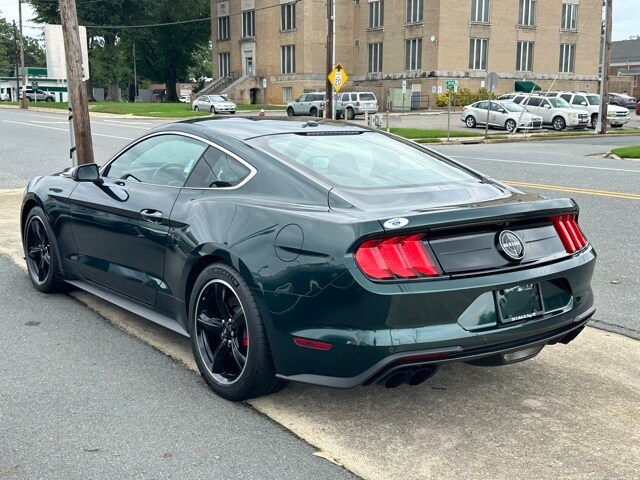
column 558, row 124
column 290, row 112
column 313, row 112
column 616, row 126
column 470, row 121
column 49, row 99
column 350, row 114
column 195, row 109
column 243, row 368
column 213, row 110
column 232, row 112
column 594, row 120
column 510, row 125
column 41, row 253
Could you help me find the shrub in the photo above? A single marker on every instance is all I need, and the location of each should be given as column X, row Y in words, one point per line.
column 464, row 96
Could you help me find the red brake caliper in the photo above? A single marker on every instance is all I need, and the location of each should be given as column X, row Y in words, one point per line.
column 245, row 338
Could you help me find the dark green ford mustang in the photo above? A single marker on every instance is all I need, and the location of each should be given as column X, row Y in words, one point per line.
column 313, row 251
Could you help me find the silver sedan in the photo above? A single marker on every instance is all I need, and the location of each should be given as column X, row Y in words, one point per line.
column 213, row 104
column 504, row 114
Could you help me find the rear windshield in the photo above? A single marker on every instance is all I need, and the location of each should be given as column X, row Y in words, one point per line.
column 366, row 160
column 367, row 96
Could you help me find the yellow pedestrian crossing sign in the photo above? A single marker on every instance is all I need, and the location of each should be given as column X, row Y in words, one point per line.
column 338, row 77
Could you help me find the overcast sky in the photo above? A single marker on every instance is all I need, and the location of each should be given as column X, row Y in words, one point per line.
column 626, row 16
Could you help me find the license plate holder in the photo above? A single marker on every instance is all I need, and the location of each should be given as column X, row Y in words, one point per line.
column 521, row 302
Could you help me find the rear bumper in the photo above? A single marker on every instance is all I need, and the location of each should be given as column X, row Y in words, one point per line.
column 371, row 326
column 401, row 361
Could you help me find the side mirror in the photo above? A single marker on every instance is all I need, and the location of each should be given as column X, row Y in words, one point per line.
column 547, row 106
column 502, row 110
column 86, row 173
column 584, row 104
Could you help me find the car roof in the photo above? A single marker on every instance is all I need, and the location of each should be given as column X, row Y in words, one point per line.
column 244, row 128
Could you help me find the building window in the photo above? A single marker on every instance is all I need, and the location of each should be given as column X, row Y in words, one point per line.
column 524, row 57
column 375, row 58
column 570, row 16
column 414, row 11
column 288, row 16
column 527, row 14
column 223, row 64
column 223, row 28
column 413, row 54
column 567, row 58
column 478, row 53
column 287, row 94
column 480, row 11
column 376, row 14
column 288, row 58
column 248, row 24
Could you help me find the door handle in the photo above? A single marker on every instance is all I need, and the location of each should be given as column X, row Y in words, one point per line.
column 151, row 215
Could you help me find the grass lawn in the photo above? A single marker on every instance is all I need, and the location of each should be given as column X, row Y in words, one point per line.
column 414, row 133
column 156, row 110
column 627, row 152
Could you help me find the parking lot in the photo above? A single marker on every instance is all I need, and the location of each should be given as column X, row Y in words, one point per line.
column 573, row 412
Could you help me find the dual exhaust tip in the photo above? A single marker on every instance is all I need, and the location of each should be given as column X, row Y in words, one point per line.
column 410, row 376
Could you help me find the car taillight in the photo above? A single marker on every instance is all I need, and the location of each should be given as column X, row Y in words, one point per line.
column 396, row 257
column 569, row 232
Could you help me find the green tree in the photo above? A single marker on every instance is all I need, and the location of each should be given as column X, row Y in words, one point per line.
column 34, row 55
column 165, row 53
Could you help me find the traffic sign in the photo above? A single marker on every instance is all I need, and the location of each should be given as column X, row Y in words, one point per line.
column 338, row 77
column 34, row 85
column 264, row 83
column 492, row 81
column 404, row 87
column 451, row 85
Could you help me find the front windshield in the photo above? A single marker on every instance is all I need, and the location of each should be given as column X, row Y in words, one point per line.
column 558, row 102
column 593, row 99
column 512, row 107
column 217, row 98
column 360, row 160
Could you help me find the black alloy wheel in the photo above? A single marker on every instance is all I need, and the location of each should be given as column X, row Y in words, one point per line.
column 313, row 112
column 228, row 338
column 39, row 247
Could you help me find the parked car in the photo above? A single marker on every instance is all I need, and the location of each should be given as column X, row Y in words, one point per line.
column 623, row 100
column 213, row 104
column 554, row 111
column 37, row 95
column 590, row 103
column 504, row 114
column 312, row 103
column 4, row 95
column 314, row 252
column 508, row 96
column 185, row 98
column 350, row 104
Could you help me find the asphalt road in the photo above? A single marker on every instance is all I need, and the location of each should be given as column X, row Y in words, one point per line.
column 81, row 399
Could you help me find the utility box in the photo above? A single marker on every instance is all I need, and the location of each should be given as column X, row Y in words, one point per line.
column 396, row 99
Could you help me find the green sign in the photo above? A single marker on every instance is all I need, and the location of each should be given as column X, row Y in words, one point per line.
column 451, row 85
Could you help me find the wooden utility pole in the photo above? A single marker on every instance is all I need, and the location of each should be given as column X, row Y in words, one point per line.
column 16, row 63
column 23, row 101
column 606, row 66
column 328, row 107
column 75, row 84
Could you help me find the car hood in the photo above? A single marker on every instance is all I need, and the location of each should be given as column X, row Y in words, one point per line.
column 617, row 109
column 363, row 202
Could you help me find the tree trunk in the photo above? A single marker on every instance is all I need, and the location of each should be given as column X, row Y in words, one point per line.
column 172, row 78
column 113, row 91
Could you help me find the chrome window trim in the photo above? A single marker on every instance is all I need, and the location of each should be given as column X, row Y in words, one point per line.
column 252, row 170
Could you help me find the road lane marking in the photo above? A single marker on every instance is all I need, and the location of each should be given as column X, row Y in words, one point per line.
column 66, row 130
column 563, row 165
column 586, row 191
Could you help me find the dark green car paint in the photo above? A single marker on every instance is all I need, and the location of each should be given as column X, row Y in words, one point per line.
column 293, row 240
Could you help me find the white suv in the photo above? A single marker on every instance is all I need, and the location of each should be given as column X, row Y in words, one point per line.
column 356, row 103
column 554, row 111
column 590, row 103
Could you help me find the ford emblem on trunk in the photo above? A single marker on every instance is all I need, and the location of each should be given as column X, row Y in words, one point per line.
column 396, row 223
column 511, row 246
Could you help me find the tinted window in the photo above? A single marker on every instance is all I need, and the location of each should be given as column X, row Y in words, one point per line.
column 496, row 107
column 559, row 103
column 566, row 97
column 482, row 105
column 160, row 160
column 217, row 169
column 533, row 102
column 303, row 98
column 593, row 99
column 354, row 97
column 317, row 98
column 517, row 99
column 361, row 160
column 578, row 99
column 367, row 97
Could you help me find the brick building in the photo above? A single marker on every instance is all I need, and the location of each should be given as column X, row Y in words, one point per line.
column 625, row 67
column 425, row 42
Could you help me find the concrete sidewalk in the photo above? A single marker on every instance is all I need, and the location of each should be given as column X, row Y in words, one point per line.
column 572, row 412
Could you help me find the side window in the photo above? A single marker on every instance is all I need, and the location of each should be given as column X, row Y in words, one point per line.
column 545, row 103
column 303, row 98
column 496, row 107
column 566, row 97
column 483, row 105
column 578, row 100
column 216, row 169
column 534, row 102
column 160, row 160
column 354, row 97
column 345, row 97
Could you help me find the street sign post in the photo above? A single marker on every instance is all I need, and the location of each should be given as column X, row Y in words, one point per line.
column 451, row 86
column 404, row 92
column 491, row 82
column 34, row 87
column 338, row 77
